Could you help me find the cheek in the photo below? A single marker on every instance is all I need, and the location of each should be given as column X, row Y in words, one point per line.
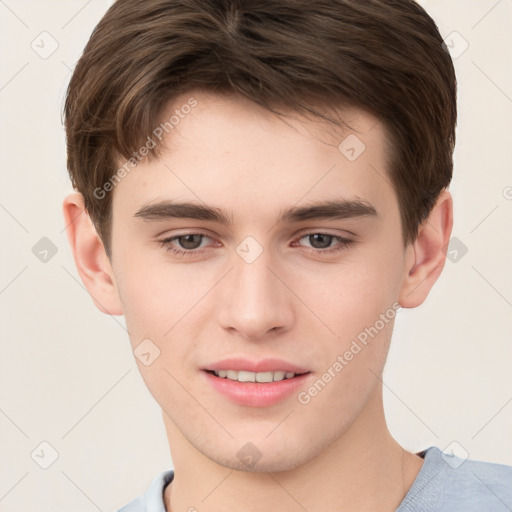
column 156, row 298
column 357, row 305
column 349, row 369
column 349, row 298
column 160, row 303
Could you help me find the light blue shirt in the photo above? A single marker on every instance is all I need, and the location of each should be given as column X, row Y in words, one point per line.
column 445, row 483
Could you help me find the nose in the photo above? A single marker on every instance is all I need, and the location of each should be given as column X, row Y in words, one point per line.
column 254, row 301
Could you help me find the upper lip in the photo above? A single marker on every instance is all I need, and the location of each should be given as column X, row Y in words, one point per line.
column 264, row 365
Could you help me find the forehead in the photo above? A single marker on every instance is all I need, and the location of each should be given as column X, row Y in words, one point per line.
column 231, row 153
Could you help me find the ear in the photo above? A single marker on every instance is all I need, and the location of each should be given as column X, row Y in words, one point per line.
column 90, row 257
column 426, row 256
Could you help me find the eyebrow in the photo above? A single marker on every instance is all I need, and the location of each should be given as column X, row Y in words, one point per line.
column 324, row 210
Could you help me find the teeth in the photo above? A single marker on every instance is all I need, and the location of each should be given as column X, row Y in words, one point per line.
column 246, row 377
column 243, row 376
column 279, row 375
column 264, row 376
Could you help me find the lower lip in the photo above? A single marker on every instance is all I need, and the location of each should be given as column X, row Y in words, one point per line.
column 256, row 394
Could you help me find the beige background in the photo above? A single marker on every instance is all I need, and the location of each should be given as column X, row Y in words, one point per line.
column 67, row 375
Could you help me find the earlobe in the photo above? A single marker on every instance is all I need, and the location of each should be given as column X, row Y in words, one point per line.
column 91, row 260
column 427, row 255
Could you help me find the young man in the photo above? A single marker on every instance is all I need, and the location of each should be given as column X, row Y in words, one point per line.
column 261, row 186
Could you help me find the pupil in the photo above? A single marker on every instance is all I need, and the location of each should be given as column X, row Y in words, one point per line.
column 186, row 243
column 325, row 240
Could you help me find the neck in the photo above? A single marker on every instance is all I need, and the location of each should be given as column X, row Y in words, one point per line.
column 364, row 469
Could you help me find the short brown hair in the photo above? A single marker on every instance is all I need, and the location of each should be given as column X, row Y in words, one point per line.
column 384, row 56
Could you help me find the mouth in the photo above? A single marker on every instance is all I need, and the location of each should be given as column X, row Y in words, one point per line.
column 256, row 389
column 260, row 377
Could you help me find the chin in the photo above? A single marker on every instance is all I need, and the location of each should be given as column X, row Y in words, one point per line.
column 256, row 454
column 264, row 465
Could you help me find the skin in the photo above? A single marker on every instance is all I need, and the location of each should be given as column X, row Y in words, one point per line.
column 290, row 303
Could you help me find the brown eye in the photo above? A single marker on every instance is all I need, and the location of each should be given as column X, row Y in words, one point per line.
column 320, row 240
column 321, row 243
column 190, row 242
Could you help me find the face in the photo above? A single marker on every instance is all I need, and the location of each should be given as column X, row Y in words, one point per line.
column 264, row 278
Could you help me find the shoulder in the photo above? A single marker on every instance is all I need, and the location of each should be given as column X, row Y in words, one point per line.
column 152, row 500
column 477, row 483
column 447, row 482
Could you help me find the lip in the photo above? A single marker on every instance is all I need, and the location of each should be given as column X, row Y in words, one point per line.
column 264, row 365
column 256, row 394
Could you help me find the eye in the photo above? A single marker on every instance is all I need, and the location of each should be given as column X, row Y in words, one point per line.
column 321, row 242
column 189, row 243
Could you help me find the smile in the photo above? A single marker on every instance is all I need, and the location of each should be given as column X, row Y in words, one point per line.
column 256, row 389
column 244, row 376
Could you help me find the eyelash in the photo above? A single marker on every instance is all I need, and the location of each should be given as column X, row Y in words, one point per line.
column 344, row 243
